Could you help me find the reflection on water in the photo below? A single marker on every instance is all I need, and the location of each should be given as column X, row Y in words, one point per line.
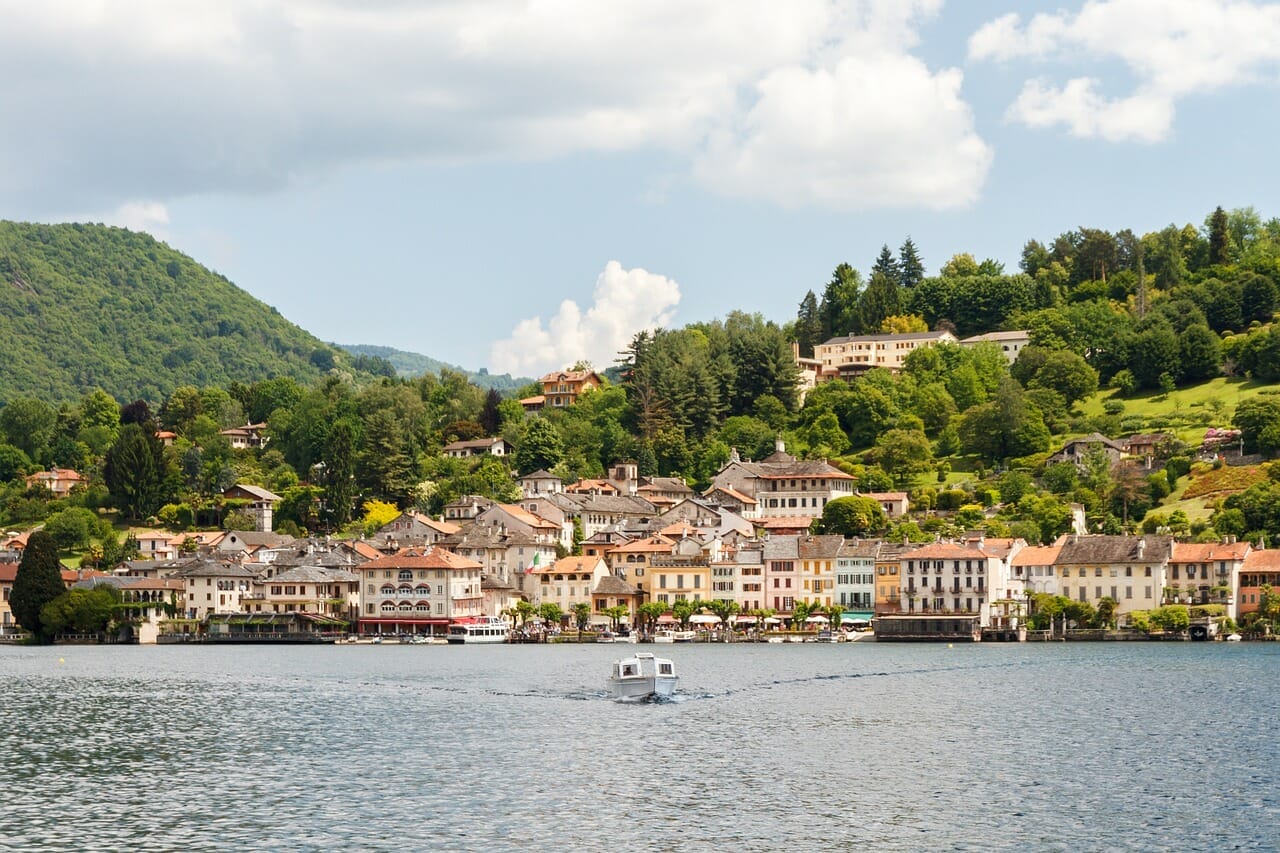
column 764, row 747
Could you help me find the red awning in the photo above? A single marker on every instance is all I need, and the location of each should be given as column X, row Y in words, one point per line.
column 390, row 621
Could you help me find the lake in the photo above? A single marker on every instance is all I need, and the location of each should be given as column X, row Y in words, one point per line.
column 766, row 747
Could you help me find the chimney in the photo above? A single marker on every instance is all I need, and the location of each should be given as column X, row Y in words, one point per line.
column 779, row 445
column 1142, row 546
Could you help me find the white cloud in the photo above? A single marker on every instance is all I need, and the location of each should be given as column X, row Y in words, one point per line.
column 625, row 302
column 136, row 99
column 1173, row 48
column 149, row 216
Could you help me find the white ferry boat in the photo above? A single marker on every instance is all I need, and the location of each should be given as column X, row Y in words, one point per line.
column 669, row 636
column 642, row 676
column 483, row 629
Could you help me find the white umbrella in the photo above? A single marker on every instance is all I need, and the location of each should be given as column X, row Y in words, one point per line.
column 748, row 619
column 700, row 619
column 817, row 619
column 773, row 620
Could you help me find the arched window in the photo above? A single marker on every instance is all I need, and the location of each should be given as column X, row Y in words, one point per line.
column 388, row 606
column 388, row 590
column 422, row 591
column 405, row 575
column 405, row 591
column 406, row 605
column 423, row 607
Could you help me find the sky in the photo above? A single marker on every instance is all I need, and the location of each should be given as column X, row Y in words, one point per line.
column 522, row 185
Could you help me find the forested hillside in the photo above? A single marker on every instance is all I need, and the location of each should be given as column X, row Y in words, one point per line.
column 88, row 306
column 412, row 364
column 1124, row 332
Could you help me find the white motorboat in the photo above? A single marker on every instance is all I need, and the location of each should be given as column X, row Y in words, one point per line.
column 483, row 629
column 642, row 676
column 667, row 635
column 1234, row 638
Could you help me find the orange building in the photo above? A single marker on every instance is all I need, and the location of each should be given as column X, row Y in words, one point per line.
column 563, row 388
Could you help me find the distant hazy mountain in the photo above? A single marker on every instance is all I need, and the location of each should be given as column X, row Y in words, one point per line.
column 409, row 364
column 90, row 306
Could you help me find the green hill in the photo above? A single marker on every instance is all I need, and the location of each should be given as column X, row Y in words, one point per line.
column 411, row 364
column 89, row 306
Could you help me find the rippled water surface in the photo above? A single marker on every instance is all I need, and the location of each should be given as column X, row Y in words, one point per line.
column 857, row 746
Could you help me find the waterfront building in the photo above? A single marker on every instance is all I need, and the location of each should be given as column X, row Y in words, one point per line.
column 951, row 578
column 8, row 572
column 1128, row 569
column 1260, row 567
column 418, row 590
column 817, row 557
column 889, row 576
column 632, row 561
column 781, row 573
column 501, row 552
column 1036, row 567
column 323, row 590
column 1205, row 572
column 738, row 576
column 567, row 581
column 213, row 586
column 855, row 587
column 685, row 573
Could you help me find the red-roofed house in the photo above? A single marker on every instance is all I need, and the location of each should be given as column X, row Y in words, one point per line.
column 567, row 581
column 564, row 387
column 60, row 481
column 418, row 591
column 1261, row 568
column 1202, row 572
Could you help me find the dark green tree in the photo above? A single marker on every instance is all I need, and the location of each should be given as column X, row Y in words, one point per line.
column 882, row 298
column 29, row 424
column 135, row 472
column 808, row 325
column 1219, row 238
column 38, row 581
column 490, row 417
column 852, row 516
column 1257, row 298
column 839, row 306
column 910, row 266
column 1200, row 353
column 540, row 447
column 886, row 264
column 339, row 472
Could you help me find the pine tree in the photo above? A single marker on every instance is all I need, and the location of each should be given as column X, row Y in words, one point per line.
column 135, row 471
column 38, row 581
column 886, row 264
column 490, row 417
column 808, row 325
column 839, row 307
column 1219, row 242
column 882, row 298
column 910, row 266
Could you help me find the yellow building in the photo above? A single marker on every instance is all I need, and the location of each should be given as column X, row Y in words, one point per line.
column 817, row 559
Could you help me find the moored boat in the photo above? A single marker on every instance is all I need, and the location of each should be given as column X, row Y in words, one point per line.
column 482, row 629
column 667, row 635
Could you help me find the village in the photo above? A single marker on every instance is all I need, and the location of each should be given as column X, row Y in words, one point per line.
column 632, row 553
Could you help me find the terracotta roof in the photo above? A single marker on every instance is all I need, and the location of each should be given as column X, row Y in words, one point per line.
column 420, row 558
column 1036, row 555
column 947, row 551
column 569, row 564
column 523, row 515
column 797, row 522
column 570, row 376
column 657, row 543
column 1206, row 552
column 1267, row 559
column 884, row 496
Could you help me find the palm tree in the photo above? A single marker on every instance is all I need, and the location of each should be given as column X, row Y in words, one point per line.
column 550, row 612
column 836, row 614
column 800, row 612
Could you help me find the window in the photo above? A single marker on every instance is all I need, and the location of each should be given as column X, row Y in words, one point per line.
column 405, row 575
column 1128, row 592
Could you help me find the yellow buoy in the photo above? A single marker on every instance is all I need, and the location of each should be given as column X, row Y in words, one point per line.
column 62, row 660
column 950, row 646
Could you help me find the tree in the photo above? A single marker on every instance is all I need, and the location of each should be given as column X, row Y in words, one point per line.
column 84, row 611
column 539, row 448
column 490, row 416
column 881, row 299
column 1219, row 239
column 72, row 527
column 684, row 609
column 1200, row 353
column 581, row 616
column 808, row 325
column 853, row 516
column 616, row 613
column 29, row 424
column 551, row 613
column 725, row 610
column 903, row 453
column 37, row 582
column 648, row 614
column 910, row 266
column 839, row 306
column 887, row 265
column 1068, row 374
column 135, row 472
